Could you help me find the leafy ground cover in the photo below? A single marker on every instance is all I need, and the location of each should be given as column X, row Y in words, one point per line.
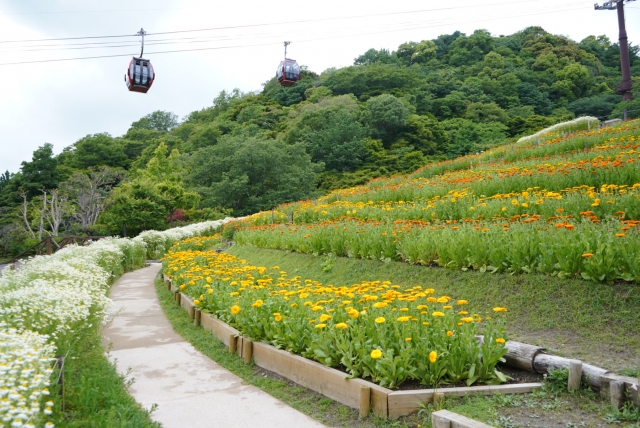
column 568, row 207
column 373, row 329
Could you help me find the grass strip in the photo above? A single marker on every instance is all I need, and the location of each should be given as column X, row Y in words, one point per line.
column 95, row 395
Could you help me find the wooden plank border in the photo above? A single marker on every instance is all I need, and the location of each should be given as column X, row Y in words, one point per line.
column 320, row 378
column 402, row 403
column 448, row 419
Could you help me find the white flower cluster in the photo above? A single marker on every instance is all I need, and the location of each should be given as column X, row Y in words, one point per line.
column 25, row 369
column 580, row 123
column 158, row 243
column 49, row 298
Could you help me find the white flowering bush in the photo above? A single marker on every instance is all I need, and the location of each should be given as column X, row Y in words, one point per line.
column 25, row 372
column 579, row 124
column 50, row 299
column 158, row 243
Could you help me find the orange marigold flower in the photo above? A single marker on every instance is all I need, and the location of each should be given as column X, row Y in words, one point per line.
column 587, row 255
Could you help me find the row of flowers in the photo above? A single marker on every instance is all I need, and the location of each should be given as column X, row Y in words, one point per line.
column 47, row 302
column 371, row 329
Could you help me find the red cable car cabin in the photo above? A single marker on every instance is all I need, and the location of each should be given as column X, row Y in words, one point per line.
column 140, row 75
column 288, row 72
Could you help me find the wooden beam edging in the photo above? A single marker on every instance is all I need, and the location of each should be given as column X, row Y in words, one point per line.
column 448, row 419
column 402, row 403
column 188, row 305
column 325, row 380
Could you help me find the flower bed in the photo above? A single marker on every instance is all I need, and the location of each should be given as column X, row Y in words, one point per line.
column 371, row 329
column 47, row 302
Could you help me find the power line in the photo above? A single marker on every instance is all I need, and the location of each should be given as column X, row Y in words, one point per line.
column 275, row 23
column 269, row 44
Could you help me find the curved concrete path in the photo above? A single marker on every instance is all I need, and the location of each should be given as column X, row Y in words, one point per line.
column 189, row 388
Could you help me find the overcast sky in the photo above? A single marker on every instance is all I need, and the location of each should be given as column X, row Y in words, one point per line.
column 61, row 102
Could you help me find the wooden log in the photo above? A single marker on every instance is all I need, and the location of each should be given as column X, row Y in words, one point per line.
column 246, row 350
column 365, row 400
column 233, row 343
column 454, row 420
column 519, row 355
column 575, row 375
column 634, row 393
column 616, row 393
column 167, row 282
column 198, row 317
column 592, row 375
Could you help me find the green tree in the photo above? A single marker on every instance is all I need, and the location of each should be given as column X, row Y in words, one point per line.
column 252, row 174
column 331, row 133
column 424, row 133
column 158, row 120
column 96, row 150
column 39, row 174
column 482, row 113
column 388, row 117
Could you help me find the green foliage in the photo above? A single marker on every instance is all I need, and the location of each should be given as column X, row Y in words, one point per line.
column 40, row 173
column 252, row 174
column 158, row 120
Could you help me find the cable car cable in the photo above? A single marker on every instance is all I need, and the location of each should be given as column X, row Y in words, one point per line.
column 276, row 23
column 270, row 44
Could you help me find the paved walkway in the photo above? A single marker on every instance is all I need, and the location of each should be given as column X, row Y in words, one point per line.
column 189, row 388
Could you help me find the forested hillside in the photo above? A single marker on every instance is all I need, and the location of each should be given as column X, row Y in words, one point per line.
column 391, row 112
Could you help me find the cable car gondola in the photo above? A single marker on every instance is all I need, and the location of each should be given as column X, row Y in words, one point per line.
column 288, row 72
column 140, row 74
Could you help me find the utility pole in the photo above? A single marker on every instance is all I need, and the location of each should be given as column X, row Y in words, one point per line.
column 623, row 88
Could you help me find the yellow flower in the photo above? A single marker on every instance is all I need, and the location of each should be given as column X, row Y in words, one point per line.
column 321, row 325
column 466, row 319
column 325, row 317
column 258, row 303
column 380, row 305
column 443, row 299
column 431, row 299
column 277, row 317
column 462, row 302
column 209, row 280
column 408, row 339
column 341, row 325
column 235, row 309
column 380, row 320
column 209, row 291
column 419, row 307
column 235, row 293
column 447, row 307
column 196, row 302
column 449, row 333
column 316, row 308
column 376, row 353
column 425, row 323
column 438, row 314
column 404, row 309
column 182, row 286
column 500, row 340
column 404, row 319
column 498, row 309
column 433, row 356
column 354, row 313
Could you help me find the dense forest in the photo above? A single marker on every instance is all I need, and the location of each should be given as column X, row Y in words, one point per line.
column 388, row 113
